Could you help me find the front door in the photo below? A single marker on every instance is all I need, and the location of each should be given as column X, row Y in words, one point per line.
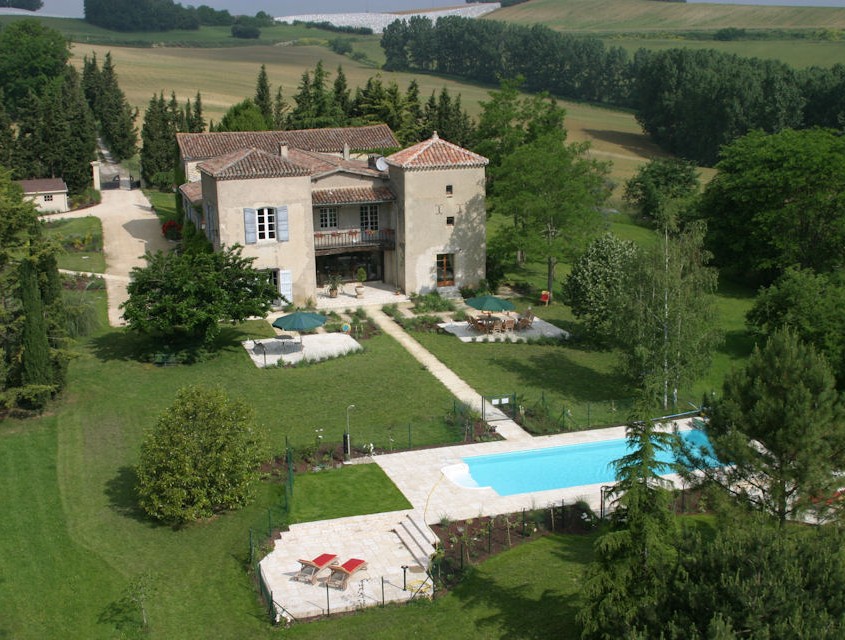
column 445, row 270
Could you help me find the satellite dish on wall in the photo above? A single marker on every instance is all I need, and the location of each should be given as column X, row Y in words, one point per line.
column 381, row 163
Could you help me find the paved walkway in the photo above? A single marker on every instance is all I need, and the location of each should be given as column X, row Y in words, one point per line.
column 130, row 228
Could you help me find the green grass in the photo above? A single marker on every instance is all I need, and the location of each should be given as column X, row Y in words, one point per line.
column 531, row 591
column 77, row 30
column 796, row 53
column 164, row 204
column 348, row 491
column 645, row 15
column 86, row 230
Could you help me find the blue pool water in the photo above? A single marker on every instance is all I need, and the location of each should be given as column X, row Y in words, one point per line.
column 560, row 467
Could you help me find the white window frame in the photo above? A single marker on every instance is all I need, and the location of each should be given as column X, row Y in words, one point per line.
column 369, row 217
column 265, row 223
column 48, row 197
column 328, row 217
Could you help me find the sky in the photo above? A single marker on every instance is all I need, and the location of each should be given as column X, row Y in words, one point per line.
column 73, row 8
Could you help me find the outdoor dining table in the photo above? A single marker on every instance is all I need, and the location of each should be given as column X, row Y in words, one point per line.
column 489, row 320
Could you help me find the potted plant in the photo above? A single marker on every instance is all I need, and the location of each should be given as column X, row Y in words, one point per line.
column 361, row 276
column 334, row 283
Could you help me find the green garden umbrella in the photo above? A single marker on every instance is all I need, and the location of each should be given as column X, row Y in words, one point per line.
column 300, row 321
column 490, row 304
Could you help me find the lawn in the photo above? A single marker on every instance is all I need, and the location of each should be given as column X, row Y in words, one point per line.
column 81, row 240
column 530, row 592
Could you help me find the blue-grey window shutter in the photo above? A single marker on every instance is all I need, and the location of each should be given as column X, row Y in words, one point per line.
column 250, row 230
column 286, row 285
column 282, row 228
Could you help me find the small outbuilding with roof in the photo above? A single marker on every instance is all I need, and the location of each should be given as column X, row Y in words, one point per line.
column 49, row 195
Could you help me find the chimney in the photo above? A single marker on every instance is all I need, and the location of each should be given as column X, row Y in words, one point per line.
column 283, row 150
column 346, row 151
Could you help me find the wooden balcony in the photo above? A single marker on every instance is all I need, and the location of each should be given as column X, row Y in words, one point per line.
column 344, row 240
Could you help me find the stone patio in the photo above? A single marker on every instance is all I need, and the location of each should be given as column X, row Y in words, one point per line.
column 288, row 349
column 538, row 329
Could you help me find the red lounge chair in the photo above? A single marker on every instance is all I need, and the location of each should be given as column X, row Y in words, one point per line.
column 310, row 568
column 341, row 573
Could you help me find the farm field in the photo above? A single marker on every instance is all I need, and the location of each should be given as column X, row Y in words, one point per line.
column 227, row 76
column 601, row 16
column 795, row 52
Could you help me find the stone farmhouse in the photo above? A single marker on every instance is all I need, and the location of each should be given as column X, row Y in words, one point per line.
column 312, row 203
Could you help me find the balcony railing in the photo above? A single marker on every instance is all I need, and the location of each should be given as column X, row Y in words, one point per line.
column 354, row 239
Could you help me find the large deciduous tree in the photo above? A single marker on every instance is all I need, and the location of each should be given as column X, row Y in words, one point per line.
column 778, row 201
column 187, row 295
column 664, row 322
column 660, row 180
column 31, row 56
column 552, row 191
column 810, row 304
column 201, row 458
column 598, row 281
column 779, row 429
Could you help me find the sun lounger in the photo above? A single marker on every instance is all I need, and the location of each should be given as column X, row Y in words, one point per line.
column 339, row 579
column 310, row 568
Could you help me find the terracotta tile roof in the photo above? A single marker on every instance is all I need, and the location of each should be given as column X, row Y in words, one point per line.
column 247, row 164
column 351, row 195
column 435, row 153
column 42, row 185
column 321, row 163
column 201, row 146
column 192, row 191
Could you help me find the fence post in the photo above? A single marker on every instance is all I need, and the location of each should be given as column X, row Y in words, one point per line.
column 328, row 605
column 382, row 591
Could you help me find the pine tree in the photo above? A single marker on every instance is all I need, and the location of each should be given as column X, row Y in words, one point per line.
column 263, row 99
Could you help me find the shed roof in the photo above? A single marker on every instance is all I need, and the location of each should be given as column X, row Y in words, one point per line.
column 43, row 185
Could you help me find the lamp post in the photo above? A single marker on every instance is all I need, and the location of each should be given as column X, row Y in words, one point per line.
column 348, row 438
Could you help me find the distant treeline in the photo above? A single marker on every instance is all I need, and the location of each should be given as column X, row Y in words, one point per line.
column 28, row 5
column 328, row 26
column 690, row 102
column 164, row 15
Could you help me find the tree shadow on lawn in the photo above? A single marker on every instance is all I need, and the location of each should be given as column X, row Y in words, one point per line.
column 130, row 346
column 528, row 617
column 738, row 344
column 556, row 372
column 123, row 497
column 637, row 143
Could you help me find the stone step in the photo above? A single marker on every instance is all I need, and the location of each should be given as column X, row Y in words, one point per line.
column 420, row 554
column 424, row 530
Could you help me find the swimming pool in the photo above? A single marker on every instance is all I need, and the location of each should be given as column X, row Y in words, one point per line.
column 555, row 467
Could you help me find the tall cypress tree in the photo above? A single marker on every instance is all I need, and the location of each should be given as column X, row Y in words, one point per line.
column 157, row 134
column 35, row 355
column 263, row 99
column 7, row 137
column 196, row 122
column 117, row 117
column 280, row 110
column 80, row 146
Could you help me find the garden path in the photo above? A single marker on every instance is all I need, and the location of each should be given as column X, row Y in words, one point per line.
column 130, row 228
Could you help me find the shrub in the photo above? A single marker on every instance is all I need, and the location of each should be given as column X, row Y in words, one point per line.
column 245, row 32
column 431, row 303
column 171, row 230
column 201, row 458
